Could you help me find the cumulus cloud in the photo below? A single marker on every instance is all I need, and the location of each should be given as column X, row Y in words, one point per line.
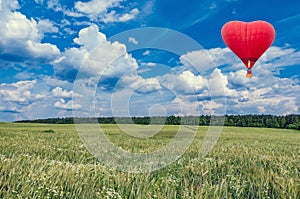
column 181, row 106
column 209, row 107
column 90, row 37
column 68, row 105
column 215, row 84
column 219, row 85
column 17, row 92
column 60, row 92
column 96, row 57
column 204, row 60
column 22, row 37
column 184, row 83
column 12, row 5
column 278, row 58
column 35, row 99
column 98, row 10
column 139, row 84
column 197, row 94
column 279, row 105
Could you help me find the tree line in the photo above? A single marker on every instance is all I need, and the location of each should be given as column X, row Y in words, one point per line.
column 266, row 121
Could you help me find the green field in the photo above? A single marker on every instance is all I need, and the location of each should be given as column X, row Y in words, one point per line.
column 50, row 161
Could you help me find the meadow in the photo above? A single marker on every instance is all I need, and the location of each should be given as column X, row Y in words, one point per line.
column 50, row 161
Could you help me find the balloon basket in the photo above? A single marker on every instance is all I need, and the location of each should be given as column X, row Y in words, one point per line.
column 249, row 74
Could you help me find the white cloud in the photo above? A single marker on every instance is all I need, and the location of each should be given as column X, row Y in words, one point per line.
column 184, row 83
column 39, row 1
column 54, row 82
column 238, row 78
column 59, row 92
column 113, row 16
column 96, row 56
column 90, row 37
column 255, row 94
column 35, row 99
column 54, row 5
column 95, row 7
column 279, row 105
column 218, row 85
column 129, row 16
column 22, row 37
column 45, row 26
column 148, row 7
column 17, row 26
column 82, row 23
column 62, row 104
column 12, row 4
column 42, row 50
column 181, row 106
column 24, row 75
column 261, row 109
column 17, row 92
column 133, row 40
column 204, row 60
column 277, row 58
column 98, row 10
column 139, row 84
column 40, row 96
column 70, row 31
column 209, row 107
column 214, row 84
column 147, row 52
column 151, row 64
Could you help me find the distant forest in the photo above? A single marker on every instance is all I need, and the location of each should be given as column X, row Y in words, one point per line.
column 266, row 121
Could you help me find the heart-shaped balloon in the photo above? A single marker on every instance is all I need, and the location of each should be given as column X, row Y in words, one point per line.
column 248, row 40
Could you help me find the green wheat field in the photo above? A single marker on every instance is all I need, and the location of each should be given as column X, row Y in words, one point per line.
column 50, row 161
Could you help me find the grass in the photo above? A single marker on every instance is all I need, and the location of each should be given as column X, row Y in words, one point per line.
column 50, row 161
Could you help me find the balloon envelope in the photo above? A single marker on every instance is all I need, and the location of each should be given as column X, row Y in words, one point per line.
column 248, row 40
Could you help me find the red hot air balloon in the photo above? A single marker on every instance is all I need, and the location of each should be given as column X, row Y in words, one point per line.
column 248, row 40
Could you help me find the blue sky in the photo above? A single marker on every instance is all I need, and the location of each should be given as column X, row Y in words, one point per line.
column 44, row 43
